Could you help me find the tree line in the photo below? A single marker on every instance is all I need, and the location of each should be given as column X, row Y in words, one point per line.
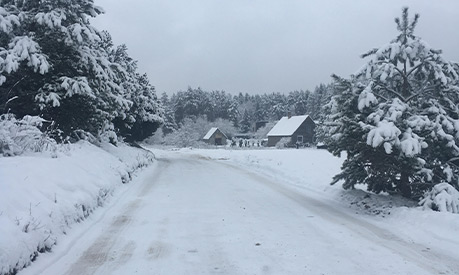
column 242, row 110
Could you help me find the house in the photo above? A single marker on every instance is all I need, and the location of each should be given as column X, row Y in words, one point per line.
column 215, row 137
column 298, row 129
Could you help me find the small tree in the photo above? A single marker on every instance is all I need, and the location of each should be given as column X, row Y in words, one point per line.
column 397, row 118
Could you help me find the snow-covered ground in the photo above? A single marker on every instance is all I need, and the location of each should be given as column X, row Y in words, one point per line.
column 42, row 197
column 311, row 170
column 207, row 211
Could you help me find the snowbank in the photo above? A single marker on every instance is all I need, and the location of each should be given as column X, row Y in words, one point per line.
column 42, row 196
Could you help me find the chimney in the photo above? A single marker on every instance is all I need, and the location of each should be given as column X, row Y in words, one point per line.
column 289, row 114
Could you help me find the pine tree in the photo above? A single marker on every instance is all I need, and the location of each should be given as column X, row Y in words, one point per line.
column 233, row 113
column 245, row 124
column 169, row 124
column 145, row 114
column 317, row 100
column 278, row 106
column 177, row 104
column 53, row 63
column 298, row 101
column 219, row 105
column 398, row 117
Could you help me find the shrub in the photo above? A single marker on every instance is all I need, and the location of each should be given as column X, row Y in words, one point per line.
column 443, row 197
column 24, row 135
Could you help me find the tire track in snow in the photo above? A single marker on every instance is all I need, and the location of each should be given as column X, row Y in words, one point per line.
column 98, row 254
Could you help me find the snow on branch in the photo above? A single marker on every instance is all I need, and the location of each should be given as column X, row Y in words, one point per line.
column 366, row 98
column 23, row 48
column 76, row 85
column 77, row 31
column 411, row 144
column 7, row 21
column 52, row 19
column 384, row 132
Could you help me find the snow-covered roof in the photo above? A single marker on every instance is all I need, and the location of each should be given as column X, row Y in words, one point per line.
column 211, row 132
column 287, row 126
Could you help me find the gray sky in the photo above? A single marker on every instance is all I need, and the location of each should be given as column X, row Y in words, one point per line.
column 259, row 46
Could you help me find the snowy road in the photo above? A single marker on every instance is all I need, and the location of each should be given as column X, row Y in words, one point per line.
column 191, row 215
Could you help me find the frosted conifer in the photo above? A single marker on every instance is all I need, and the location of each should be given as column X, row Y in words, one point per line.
column 397, row 117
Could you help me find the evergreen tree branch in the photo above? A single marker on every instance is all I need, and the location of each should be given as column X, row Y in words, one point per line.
column 383, row 86
column 424, row 90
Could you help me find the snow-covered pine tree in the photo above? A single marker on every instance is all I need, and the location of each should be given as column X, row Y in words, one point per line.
column 219, row 105
column 398, row 117
column 298, row 101
column 53, row 63
column 277, row 105
column 317, row 100
column 196, row 102
column 233, row 112
column 259, row 113
column 245, row 125
column 169, row 124
column 177, row 102
column 145, row 114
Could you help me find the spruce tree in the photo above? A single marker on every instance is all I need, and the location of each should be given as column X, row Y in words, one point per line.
column 398, row 117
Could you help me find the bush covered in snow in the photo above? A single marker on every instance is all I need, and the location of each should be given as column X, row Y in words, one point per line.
column 443, row 197
column 23, row 135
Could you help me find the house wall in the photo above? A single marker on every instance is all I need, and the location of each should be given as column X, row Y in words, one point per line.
column 216, row 135
column 306, row 130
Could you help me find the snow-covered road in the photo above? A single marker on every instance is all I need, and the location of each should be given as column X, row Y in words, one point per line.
column 192, row 215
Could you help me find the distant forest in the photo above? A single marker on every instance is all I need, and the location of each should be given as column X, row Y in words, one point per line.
column 242, row 110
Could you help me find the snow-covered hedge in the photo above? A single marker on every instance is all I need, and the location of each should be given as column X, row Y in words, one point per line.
column 443, row 197
column 18, row 136
column 43, row 196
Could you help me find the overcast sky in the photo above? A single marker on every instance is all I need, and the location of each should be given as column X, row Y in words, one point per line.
column 259, row 46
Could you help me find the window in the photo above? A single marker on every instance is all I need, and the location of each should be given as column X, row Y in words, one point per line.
column 299, row 139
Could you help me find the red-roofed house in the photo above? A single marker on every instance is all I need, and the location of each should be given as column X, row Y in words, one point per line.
column 299, row 129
